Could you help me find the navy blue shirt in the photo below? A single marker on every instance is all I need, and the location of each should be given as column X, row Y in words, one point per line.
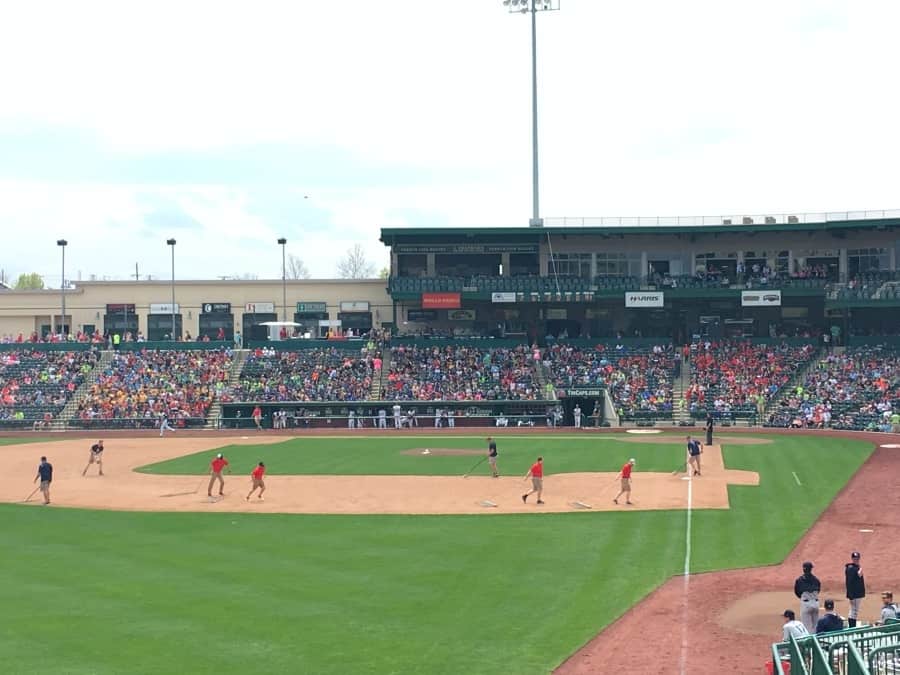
column 694, row 448
column 829, row 623
column 492, row 449
column 45, row 469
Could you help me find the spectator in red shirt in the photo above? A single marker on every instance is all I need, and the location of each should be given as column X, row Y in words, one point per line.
column 215, row 474
column 257, row 477
column 625, row 475
column 257, row 418
column 536, row 473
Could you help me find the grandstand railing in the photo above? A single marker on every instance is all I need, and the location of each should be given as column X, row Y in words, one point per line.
column 851, row 651
column 754, row 219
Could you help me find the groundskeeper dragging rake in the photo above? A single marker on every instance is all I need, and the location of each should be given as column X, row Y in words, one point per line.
column 28, row 498
column 477, row 464
column 192, row 492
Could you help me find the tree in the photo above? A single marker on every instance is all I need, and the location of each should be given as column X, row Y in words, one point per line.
column 296, row 268
column 354, row 264
column 384, row 273
column 29, row 282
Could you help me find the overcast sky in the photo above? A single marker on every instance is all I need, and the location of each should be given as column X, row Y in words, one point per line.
column 229, row 124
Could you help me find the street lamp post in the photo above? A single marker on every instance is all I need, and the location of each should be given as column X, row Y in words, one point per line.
column 171, row 242
column 523, row 7
column 62, row 243
column 283, row 241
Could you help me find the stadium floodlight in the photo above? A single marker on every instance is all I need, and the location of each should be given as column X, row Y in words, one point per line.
column 171, row 242
column 283, row 241
column 523, row 7
column 62, row 243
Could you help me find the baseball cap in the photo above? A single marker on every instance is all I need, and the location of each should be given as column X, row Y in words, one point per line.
column 807, row 565
column 219, row 455
column 854, row 554
column 631, row 461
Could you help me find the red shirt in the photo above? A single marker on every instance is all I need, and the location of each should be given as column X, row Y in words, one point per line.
column 259, row 472
column 257, row 412
column 626, row 470
column 219, row 464
column 537, row 470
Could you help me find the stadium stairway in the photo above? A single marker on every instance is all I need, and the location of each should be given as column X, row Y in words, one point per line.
column 378, row 382
column 799, row 376
column 541, row 377
column 234, row 376
column 681, row 413
column 71, row 408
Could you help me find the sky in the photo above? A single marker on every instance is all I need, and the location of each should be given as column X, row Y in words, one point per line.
column 227, row 125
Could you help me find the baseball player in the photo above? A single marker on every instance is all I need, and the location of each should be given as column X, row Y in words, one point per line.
column 625, row 476
column 492, row 456
column 806, row 588
column 164, row 424
column 694, row 451
column 215, row 474
column 792, row 627
column 96, row 457
column 577, row 413
column 536, row 473
column 856, row 587
column 257, row 477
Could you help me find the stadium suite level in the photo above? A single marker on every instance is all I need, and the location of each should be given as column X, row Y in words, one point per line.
column 757, row 278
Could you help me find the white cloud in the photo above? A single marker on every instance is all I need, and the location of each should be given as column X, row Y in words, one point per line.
column 651, row 108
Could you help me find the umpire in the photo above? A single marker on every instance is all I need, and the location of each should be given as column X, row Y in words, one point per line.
column 709, row 428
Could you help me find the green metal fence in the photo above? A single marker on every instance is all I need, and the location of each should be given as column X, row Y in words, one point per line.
column 871, row 650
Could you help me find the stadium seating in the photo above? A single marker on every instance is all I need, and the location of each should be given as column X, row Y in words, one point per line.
column 733, row 380
column 461, row 373
column 36, row 384
column 857, row 389
column 137, row 387
column 320, row 374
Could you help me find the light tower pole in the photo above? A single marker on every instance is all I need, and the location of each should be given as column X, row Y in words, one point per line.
column 524, row 7
column 62, row 243
column 283, row 241
column 171, row 242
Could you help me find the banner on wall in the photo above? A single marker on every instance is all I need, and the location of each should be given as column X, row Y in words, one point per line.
column 461, row 315
column 259, row 308
column 216, row 307
column 441, row 300
column 164, row 308
column 760, row 298
column 503, row 297
column 421, row 315
column 644, row 299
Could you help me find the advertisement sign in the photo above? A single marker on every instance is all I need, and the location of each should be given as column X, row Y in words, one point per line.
column 587, row 392
column 644, row 299
column 503, row 297
column 557, row 313
column 421, row 315
column 311, row 307
column 216, row 307
column 120, row 308
column 164, row 308
column 461, row 315
column 355, row 306
column 441, row 300
column 760, row 298
column 259, row 308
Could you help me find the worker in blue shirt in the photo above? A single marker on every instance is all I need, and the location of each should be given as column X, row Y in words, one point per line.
column 45, row 474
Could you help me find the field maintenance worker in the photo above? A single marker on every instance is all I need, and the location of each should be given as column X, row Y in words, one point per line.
column 625, row 476
column 257, row 477
column 694, row 451
column 856, row 587
column 492, row 456
column 45, row 473
column 96, row 457
column 806, row 588
column 536, row 473
column 215, row 474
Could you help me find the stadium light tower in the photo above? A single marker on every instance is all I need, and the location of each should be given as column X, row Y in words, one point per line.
column 171, row 242
column 283, row 241
column 524, row 7
column 62, row 243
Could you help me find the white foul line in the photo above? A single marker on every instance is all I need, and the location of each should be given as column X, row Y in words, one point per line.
column 687, row 578
column 796, row 478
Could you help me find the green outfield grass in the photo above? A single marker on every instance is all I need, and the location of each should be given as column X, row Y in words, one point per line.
column 107, row 592
column 385, row 456
column 19, row 441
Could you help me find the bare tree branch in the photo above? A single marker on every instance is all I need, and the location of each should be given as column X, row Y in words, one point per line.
column 296, row 268
column 354, row 264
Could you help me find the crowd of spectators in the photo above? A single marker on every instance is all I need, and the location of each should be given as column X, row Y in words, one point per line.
column 639, row 379
column 731, row 379
column 139, row 387
column 318, row 374
column 857, row 389
column 461, row 373
column 36, row 384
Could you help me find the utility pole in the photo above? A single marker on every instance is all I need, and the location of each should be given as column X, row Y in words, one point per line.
column 136, row 275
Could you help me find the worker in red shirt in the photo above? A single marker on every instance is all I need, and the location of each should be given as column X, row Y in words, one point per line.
column 257, row 477
column 215, row 474
column 257, row 417
column 536, row 473
column 625, row 475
